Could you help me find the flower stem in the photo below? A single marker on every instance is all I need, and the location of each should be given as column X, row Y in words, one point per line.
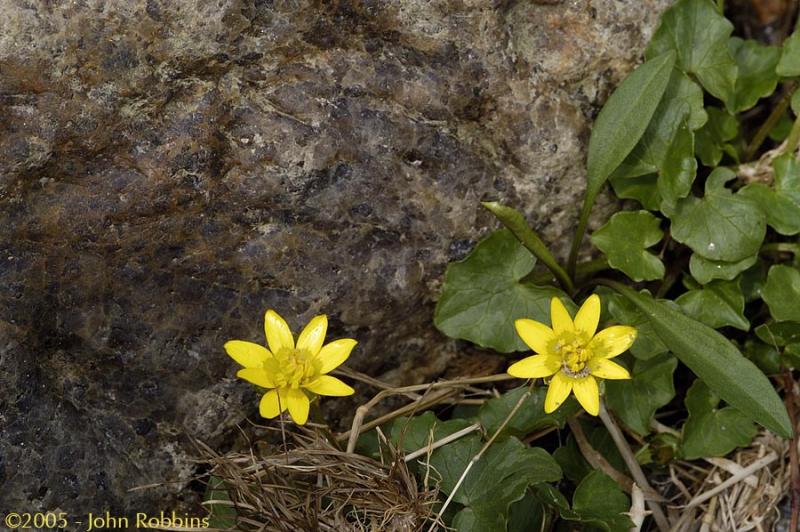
column 770, row 122
column 633, row 465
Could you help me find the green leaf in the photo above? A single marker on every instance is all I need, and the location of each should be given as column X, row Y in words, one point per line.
column 710, row 431
column 789, row 65
column 529, row 418
column 681, row 104
column 573, row 464
column 499, row 478
column 479, row 519
column 625, row 238
column 647, row 344
column 222, row 514
column 636, row 400
column 782, row 293
column 781, row 202
column 598, row 501
column 706, row 270
column 699, row 34
column 414, row 433
column 779, row 333
column 643, row 189
column 753, row 281
column 516, row 223
column 783, row 127
column 766, row 357
column 715, row 360
column 756, row 77
column 677, row 174
column 717, row 304
column 713, row 139
column 618, row 128
column 527, row 514
column 721, row 226
column 483, row 295
column 624, row 118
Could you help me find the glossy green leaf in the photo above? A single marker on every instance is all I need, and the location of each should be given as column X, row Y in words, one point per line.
column 625, row 238
column 756, row 78
column 643, row 189
column 499, row 478
column 527, row 514
column 678, row 171
column 715, row 360
column 765, row 356
column 482, row 295
column 699, row 34
column 635, row 401
column 713, row 139
column 529, row 418
column 780, row 203
column 624, row 118
column 782, row 293
column 648, row 344
column 706, row 270
column 681, row 105
column 599, row 502
column 711, row 431
column 721, row 226
column 411, row 434
column 618, row 128
column 717, row 304
column 789, row 64
column 779, row 333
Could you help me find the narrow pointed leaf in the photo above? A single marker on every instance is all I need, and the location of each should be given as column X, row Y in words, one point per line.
column 625, row 117
column 717, row 361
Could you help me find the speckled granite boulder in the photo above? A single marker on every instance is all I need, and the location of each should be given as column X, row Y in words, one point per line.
column 171, row 168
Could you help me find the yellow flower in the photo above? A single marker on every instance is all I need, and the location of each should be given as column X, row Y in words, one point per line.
column 290, row 370
column 573, row 354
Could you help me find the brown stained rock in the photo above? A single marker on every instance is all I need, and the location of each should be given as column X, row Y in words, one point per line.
column 170, row 169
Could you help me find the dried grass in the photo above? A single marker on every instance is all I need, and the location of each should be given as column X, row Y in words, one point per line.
column 317, row 486
column 750, row 502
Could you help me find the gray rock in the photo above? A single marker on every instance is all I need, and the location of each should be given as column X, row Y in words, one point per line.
column 170, row 169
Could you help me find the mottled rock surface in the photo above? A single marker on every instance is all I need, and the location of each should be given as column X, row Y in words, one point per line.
column 169, row 169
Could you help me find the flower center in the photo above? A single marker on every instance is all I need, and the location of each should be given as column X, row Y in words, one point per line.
column 572, row 347
column 292, row 367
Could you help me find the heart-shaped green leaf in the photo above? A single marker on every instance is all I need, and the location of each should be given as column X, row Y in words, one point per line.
column 712, row 431
column 782, row 293
column 722, row 225
column 483, row 294
column 699, row 34
column 625, row 239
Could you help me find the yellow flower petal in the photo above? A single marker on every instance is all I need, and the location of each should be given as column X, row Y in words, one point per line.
column 587, row 393
column 247, row 354
column 605, row 369
column 557, row 393
column 279, row 335
column 535, row 367
column 298, row 404
column 257, row 376
column 559, row 317
column 537, row 336
column 272, row 404
column 313, row 335
column 332, row 355
column 327, row 385
column 612, row 341
column 588, row 316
